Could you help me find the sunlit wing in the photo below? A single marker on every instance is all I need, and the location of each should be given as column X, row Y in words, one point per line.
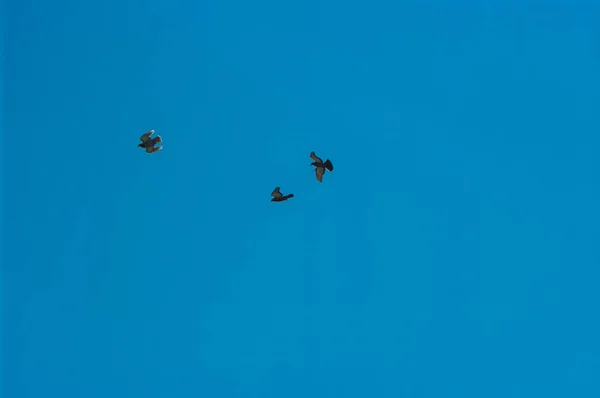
column 146, row 136
column 315, row 157
column 276, row 193
column 153, row 149
column 319, row 171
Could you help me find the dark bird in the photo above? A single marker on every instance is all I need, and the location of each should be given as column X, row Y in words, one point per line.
column 149, row 143
column 278, row 197
column 320, row 166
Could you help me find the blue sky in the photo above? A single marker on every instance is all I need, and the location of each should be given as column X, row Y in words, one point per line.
column 453, row 251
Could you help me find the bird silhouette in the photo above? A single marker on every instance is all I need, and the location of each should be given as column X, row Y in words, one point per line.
column 149, row 143
column 320, row 166
column 278, row 197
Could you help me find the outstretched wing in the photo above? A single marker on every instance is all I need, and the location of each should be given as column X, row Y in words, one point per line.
column 319, row 171
column 315, row 157
column 152, row 149
column 146, row 136
column 276, row 193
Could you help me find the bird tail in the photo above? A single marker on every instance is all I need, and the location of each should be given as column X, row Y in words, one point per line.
column 328, row 165
column 291, row 195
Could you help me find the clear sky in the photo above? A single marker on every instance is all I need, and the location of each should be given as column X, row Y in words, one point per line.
column 453, row 252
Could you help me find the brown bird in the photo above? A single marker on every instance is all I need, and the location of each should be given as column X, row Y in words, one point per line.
column 320, row 166
column 278, row 197
column 149, row 143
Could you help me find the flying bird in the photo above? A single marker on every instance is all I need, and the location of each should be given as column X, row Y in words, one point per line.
column 149, row 143
column 320, row 166
column 278, row 197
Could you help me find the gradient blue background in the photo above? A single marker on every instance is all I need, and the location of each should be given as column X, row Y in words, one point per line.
column 453, row 252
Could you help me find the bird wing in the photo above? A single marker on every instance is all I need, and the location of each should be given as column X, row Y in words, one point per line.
column 319, row 171
column 276, row 193
column 315, row 157
column 144, row 138
column 153, row 149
